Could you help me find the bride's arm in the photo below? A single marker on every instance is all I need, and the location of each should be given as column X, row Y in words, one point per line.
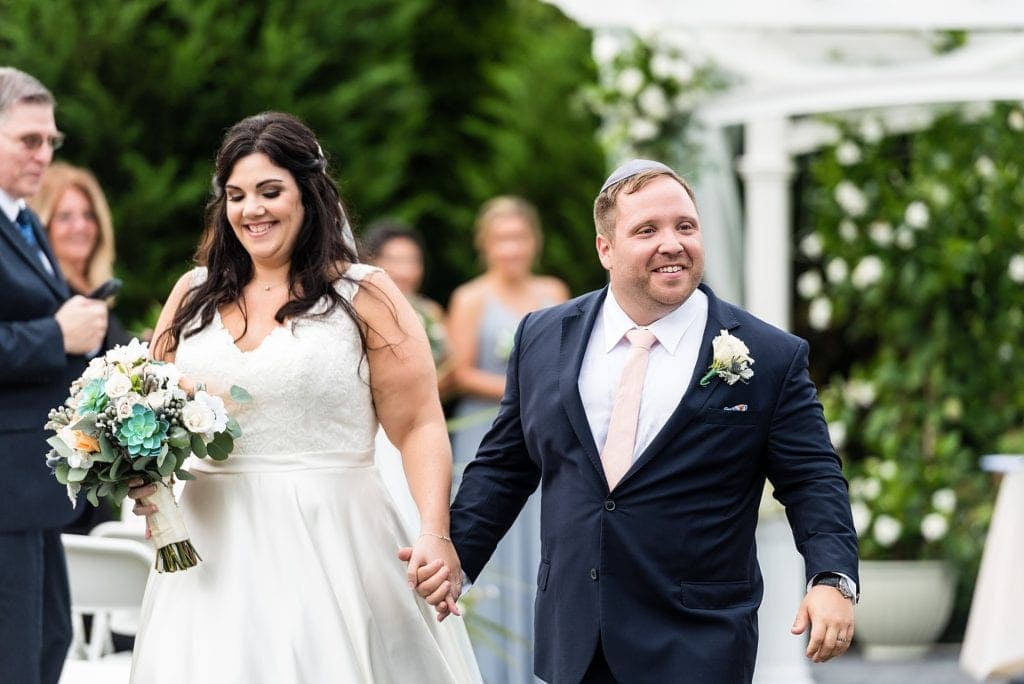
column 404, row 385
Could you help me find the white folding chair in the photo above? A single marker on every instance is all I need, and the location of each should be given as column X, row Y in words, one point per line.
column 105, row 575
column 122, row 529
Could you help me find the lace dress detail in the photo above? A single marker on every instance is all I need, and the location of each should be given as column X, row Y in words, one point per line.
column 299, row 580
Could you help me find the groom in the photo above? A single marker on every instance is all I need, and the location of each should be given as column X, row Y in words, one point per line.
column 649, row 571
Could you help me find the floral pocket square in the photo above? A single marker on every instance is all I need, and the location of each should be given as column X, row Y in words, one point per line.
column 737, row 407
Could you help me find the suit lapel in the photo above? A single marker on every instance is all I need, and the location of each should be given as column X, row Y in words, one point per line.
column 576, row 329
column 696, row 397
column 11, row 233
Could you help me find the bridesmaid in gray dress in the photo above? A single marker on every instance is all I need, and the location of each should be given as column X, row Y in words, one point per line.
column 483, row 316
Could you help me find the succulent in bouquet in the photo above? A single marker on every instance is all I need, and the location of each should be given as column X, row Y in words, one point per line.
column 130, row 417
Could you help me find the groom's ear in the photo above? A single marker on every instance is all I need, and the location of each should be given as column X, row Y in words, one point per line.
column 604, row 249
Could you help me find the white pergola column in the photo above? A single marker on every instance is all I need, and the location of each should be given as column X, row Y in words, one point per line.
column 766, row 169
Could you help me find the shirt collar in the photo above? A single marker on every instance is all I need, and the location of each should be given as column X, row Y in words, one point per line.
column 668, row 329
column 10, row 206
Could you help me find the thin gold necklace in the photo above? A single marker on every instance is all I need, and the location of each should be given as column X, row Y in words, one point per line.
column 267, row 288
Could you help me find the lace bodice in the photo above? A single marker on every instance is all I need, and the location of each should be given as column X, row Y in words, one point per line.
column 311, row 403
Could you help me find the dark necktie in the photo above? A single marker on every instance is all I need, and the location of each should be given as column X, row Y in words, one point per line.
column 25, row 226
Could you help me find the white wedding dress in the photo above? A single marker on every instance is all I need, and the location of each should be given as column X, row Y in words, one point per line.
column 299, row 579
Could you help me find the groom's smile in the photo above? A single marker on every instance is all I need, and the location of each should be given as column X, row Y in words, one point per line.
column 656, row 259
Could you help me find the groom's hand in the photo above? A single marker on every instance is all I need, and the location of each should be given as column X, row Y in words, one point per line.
column 830, row 616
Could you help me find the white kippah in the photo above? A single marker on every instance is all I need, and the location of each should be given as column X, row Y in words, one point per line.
column 632, row 168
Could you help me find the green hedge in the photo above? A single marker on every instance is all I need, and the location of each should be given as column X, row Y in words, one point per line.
column 426, row 107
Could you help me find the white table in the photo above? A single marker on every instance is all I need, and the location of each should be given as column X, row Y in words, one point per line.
column 994, row 643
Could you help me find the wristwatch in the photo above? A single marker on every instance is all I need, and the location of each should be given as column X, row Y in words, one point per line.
column 842, row 585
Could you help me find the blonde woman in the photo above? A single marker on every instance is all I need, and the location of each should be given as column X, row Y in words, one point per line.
column 76, row 218
column 482, row 320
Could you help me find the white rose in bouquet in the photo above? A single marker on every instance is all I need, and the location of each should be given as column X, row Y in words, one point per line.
column 205, row 414
column 117, row 385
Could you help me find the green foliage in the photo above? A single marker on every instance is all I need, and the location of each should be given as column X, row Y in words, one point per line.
column 912, row 275
column 425, row 107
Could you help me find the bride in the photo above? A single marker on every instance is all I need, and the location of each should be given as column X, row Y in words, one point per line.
column 299, row 581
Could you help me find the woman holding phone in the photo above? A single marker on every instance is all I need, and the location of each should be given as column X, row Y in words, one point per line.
column 76, row 216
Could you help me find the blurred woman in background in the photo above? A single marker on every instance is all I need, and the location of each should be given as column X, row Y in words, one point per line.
column 76, row 217
column 398, row 249
column 482, row 319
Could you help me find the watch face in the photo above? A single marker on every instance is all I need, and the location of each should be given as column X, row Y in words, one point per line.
column 839, row 583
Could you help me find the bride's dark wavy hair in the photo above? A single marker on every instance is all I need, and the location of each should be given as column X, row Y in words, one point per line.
column 320, row 255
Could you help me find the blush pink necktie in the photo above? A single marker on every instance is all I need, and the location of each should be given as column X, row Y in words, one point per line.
column 617, row 455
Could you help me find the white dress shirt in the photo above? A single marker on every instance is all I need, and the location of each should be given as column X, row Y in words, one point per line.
column 669, row 369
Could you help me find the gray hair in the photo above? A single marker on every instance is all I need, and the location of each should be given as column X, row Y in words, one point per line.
column 18, row 87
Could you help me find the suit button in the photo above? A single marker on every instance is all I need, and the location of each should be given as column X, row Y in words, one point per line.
column 593, row 574
column 609, row 505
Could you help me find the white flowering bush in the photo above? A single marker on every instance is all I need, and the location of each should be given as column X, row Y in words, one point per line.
column 910, row 283
column 646, row 95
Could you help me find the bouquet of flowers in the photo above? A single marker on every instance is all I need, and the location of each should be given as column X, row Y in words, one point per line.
column 131, row 417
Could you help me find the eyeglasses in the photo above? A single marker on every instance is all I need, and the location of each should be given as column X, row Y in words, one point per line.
column 33, row 141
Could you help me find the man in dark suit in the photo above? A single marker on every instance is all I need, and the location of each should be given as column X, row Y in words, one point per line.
column 649, row 570
column 44, row 339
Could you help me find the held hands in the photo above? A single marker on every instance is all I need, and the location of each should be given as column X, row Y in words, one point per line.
column 830, row 616
column 438, row 581
column 82, row 323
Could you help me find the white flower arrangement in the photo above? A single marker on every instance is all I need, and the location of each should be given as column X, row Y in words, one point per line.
column 128, row 417
column 891, row 516
column 731, row 360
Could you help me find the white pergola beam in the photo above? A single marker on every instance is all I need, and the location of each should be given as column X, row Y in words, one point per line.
column 809, row 15
column 752, row 104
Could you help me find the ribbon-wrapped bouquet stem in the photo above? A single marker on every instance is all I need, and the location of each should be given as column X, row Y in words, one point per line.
column 131, row 417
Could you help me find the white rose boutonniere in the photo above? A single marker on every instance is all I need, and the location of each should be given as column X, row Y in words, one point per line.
column 731, row 360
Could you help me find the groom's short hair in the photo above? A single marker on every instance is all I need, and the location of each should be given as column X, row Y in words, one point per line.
column 605, row 204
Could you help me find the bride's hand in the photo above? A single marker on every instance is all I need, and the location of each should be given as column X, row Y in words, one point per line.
column 138, row 489
column 435, row 572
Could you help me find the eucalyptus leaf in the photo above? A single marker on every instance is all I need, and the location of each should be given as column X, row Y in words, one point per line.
column 77, row 474
column 93, row 499
column 184, row 475
column 198, row 446
column 221, row 446
column 60, row 471
column 166, row 467
column 240, row 394
column 233, row 428
column 178, row 437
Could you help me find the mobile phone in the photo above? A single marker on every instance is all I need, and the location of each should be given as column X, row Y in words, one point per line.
column 107, row 289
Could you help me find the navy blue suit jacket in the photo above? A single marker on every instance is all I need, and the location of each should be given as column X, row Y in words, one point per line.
column 664, row 568
column 35, row 374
